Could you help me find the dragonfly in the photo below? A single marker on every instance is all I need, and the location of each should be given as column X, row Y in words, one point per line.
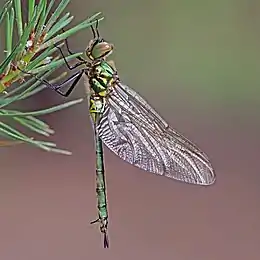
column 126, row 124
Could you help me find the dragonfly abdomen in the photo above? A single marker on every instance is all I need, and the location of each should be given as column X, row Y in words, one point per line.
column 101, row 189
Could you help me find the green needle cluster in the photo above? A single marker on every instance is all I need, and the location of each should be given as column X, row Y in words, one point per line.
column 38, row 30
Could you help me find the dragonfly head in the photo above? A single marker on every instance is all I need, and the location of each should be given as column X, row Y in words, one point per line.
column 98, row 47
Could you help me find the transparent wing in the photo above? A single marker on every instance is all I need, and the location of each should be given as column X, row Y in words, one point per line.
column 134, row 131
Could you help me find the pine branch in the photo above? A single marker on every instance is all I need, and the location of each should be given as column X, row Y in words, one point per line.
column 34, row 52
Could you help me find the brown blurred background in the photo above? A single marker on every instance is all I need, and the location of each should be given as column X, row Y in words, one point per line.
column 198, row 64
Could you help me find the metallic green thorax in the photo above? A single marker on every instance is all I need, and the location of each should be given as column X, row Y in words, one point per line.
column 101, row 77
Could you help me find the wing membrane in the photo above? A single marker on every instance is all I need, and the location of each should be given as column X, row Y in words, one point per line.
column 134, row 131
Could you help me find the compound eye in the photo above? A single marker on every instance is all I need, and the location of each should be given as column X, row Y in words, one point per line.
column 102, row 49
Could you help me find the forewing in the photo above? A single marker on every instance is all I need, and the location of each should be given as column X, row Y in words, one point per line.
column 134, row 131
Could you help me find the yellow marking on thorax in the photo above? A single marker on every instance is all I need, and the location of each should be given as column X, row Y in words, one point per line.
column 92, row 107
column 102, row 93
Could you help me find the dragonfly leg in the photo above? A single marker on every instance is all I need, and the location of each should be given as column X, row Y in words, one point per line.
column 77, row 77
column 56, row 87
column 71, row 52
column 95, row 31
column 81, row 62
